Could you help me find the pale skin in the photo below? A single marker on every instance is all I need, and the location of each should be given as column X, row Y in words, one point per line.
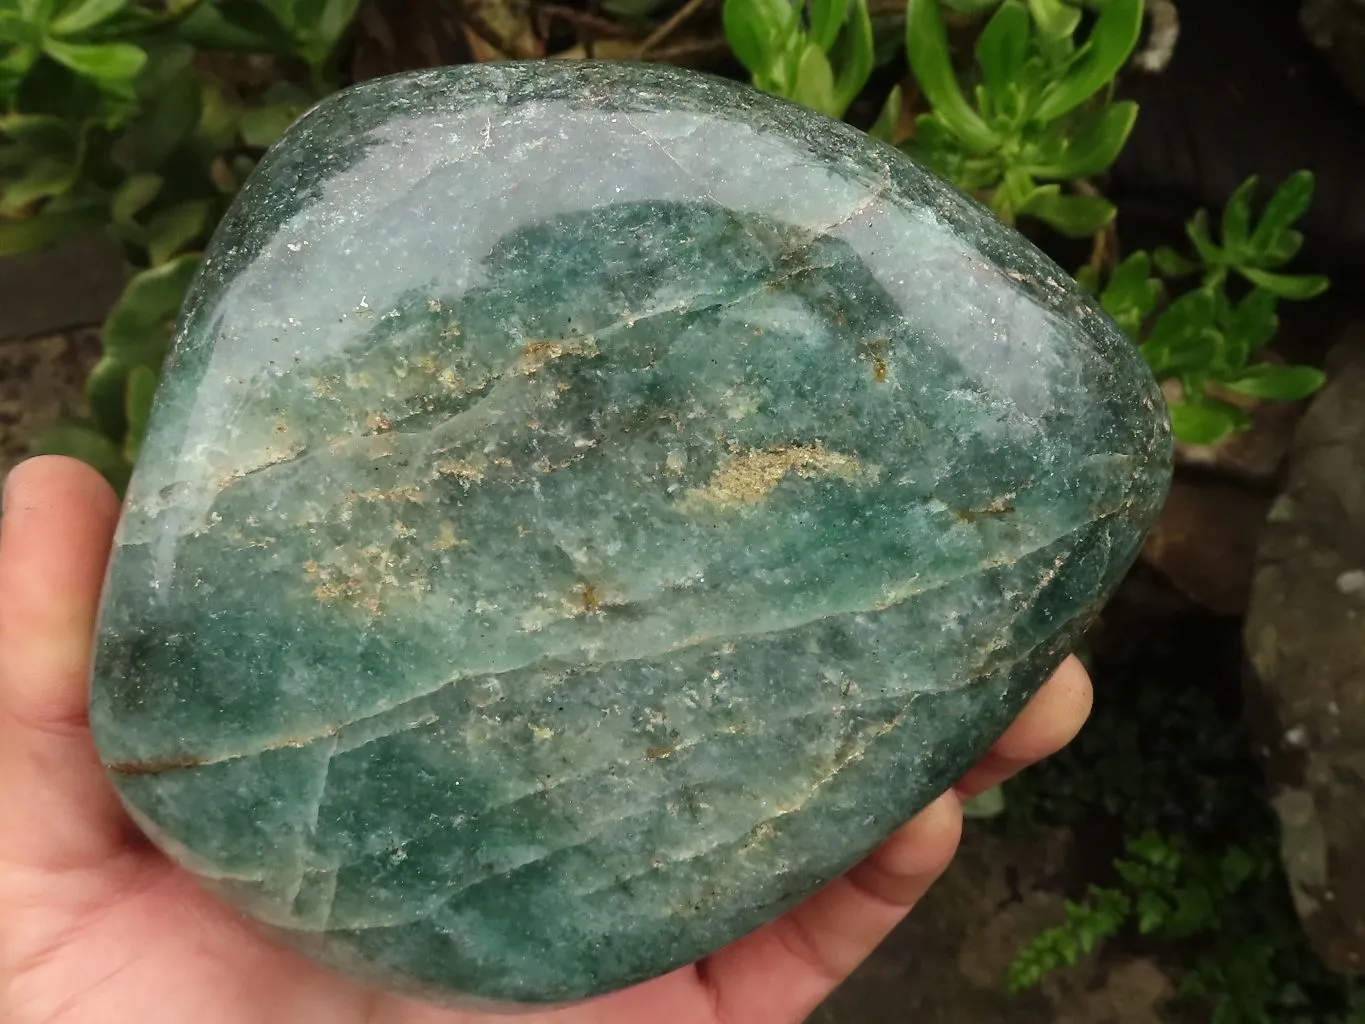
column 97, row 927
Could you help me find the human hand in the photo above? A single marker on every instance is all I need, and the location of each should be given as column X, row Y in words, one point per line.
column 97, row 927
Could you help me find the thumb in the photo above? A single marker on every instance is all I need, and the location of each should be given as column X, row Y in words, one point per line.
column 57, row 809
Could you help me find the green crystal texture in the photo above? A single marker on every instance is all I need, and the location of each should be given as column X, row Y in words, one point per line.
column 587, row 507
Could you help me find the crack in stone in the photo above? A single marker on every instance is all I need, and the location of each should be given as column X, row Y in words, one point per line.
column 897, row 698
column 894, row 597
column 309, row 820
column 446, row 898
column 692, row 175
column 413, row 444
column 727, row 841
column 701, row 740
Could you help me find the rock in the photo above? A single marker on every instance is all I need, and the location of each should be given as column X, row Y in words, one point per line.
column 1132, row 992
column 984, row 959
column 947, row 962
column 1337, row 28
column 586, row 509
column 1305, row 634
column 1205, row 539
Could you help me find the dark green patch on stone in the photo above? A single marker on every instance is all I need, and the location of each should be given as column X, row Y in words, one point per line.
column 587, row 508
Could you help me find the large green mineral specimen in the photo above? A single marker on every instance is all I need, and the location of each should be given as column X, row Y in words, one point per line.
column 587, row 507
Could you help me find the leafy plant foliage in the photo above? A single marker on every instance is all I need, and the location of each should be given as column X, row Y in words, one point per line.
column 1205, row 339
column 1023, row 125
column 1023, row 129
column 139, row 117
column 816, row 52
column 1036, row 113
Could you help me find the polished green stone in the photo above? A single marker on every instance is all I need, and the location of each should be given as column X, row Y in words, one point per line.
column 589, row 506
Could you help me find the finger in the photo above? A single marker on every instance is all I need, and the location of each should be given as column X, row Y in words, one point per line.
column 780, row 973
column 1047, row 724
column 56, row 808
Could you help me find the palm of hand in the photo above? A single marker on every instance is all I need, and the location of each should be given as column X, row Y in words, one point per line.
column 97, row 927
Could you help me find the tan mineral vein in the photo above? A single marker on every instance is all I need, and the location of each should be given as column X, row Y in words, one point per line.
column 747, row 478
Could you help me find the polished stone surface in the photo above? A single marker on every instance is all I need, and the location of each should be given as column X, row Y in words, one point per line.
column 588, row 507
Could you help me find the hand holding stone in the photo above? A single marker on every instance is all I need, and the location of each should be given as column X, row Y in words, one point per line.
column 98, row 927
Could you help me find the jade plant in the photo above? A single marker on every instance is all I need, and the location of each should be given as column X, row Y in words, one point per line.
column 1026, row 126
column 1035, row 116
column 818, row 54
column 1207, row 339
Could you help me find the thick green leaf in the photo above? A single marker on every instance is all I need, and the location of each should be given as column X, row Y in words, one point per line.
column 970, row 7
column 1002, row 47
column 1237, row 216
column 884, row 128
column 1204, row 421
column 240, row 25
column 852, row 57
column 14, row 28
column 757, row 31
column 48, row 228
column 175, row 228
column 39, row 131
column 86, row 14
column 1108, row 48
column 814, row 85
column 1095, row 148
column 293, row 14
column 826, row 17
column 335, row 17
column 1287, row 286
column 1172, row 264
column 141, row 391
column 1179, row 341
column 1088, row 277
column 169, row 109
column 136, row 333
column 46, row 151
column 1198, row 232
column 106, row 394
column 1283, row 249
column 90, row 446
column 46, row 176
column 112, row 66
column 260, row 126
column 926, row 46
column 937, row 146
column 138, row 328
column 1192, row 352
column 1055, row 19
column 1252, row 323
column 1290, row 201
column 1187, row 315
column 1282, row 383
column 14, row 66
column 168, row 60
column 133, row 196
column 37, row 12
column 1132, row 293
column 1015, row 191
column 219, row 116
column 1073, row 216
